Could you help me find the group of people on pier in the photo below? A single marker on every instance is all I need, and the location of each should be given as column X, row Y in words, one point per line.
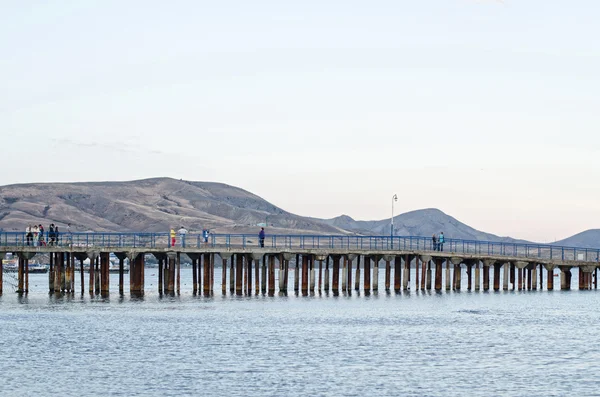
column 437, row 242
column 182, row 231
column 36, row 235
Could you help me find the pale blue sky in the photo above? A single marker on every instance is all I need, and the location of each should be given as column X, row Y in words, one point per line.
column 487, row 110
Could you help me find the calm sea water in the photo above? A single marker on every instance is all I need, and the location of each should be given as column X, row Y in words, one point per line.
column 411, row 344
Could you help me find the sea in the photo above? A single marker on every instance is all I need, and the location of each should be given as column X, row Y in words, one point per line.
column 528, row 343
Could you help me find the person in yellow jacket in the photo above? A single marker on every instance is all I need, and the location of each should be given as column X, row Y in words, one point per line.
column 173, row 236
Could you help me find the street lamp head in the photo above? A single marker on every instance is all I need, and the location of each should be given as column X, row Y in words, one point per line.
column 395, row 197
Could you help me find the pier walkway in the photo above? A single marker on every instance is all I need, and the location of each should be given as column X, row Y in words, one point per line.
column 334, row 260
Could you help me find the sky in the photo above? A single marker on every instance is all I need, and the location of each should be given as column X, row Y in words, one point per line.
column 487, row 110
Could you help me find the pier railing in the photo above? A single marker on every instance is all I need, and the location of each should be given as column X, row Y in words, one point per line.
column 337, row 242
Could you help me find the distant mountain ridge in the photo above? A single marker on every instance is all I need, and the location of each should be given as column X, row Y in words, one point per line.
column 586, row 239
column 157, row 204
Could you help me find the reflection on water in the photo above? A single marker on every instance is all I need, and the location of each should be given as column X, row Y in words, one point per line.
column 414, row 343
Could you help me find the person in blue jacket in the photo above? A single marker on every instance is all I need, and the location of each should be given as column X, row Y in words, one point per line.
column 261, row 237
column 441, row 241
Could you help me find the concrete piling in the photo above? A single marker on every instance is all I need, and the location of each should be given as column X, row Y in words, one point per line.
column 357, row 274
column 272, row 275
column 497, row 267
column 312, row 273
column 326, row 284
column 297, row 274
column 239, row 265
column 351, row 258
column 406, row 281
column 335, row 282
column 304, row 275
column 375, row 277
column 438, row 274
column 263, row 275
column 344, row 274
column 477, row 276
column 388, row 270
column 320, row 275
column 367, row 277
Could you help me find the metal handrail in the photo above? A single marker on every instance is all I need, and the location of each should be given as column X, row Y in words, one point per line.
column 303, row 241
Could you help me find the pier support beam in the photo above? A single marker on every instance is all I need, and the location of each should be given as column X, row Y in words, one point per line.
column 351, row 258
column 388, row 271
column 375, row 277
column 357, row 278
column 477, row 275
column 326, row 284
column 304, row 275
column 367, row 276
column 336, row 274
column 448, row 283
column 456, row 262
column 297, row 274
column 550, row 276
column 93, row 256
column 486, row 273
column 497, row 267
column 438, row 273
column 239, row 265
column 272, row 275
column 426, row 259
column 520, row 265
column 565, row 279
column 505, row 275
column 406, row 282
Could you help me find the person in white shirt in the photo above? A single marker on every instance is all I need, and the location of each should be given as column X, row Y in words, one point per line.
column 182, row 232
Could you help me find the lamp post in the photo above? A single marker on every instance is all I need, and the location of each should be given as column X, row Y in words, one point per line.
column 394, row 198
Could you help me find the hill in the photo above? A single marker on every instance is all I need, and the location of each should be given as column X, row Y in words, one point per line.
column 587, row 239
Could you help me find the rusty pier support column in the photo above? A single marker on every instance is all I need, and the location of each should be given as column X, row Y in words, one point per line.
column 550, row 277
column 357, row 275
column 426, row 282
column 225, row 257
column 534, row 279
column 456, row 275
column 497, row 267
column 349, row 270
column 297, row 274
column 304, row 275
column 375, row 277
column 2, row 255
column 287, row 257
column 336, row 275
column 565, row 284
column 388, row 271
column 448, row 283
column 194, row 274
column 326, row 284
column 239, row 265
column 512, row 274
column 207, row 281
column 406, row 281
column 93, row 256
column 232, row 275
column 469, row 275
column 311, row 265
column 104, row 273
column 263, row 276
column 320, row 275
column 417, row 271
column 344, row 261
column 486, row 273
column 477, row 275
column 172, row 258
column 367, row 276
column 272, row 275
column 438, row 274
column 250, row 262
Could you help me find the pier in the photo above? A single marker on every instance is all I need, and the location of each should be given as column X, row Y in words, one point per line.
column 320, row 264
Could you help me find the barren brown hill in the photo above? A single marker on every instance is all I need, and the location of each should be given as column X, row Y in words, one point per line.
column 147, row 205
